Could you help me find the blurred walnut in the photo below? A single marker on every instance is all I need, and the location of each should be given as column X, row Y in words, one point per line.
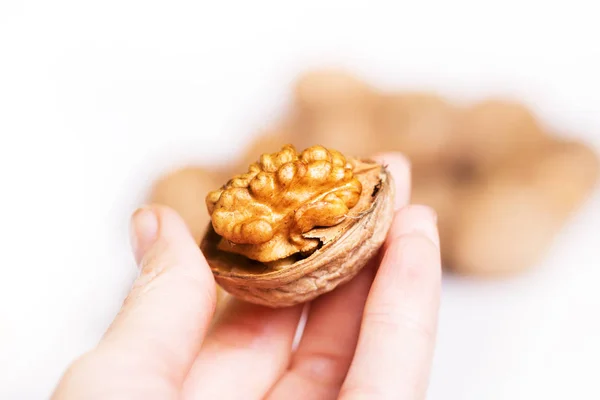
column 565, row 171
column 340, row 111
column 297, row 225
column 331, row 91
column 491, row 132
column 184, row 190
column 441, row 191
column 337, row 110
column 353, row 134
column 420, row 125
column 505, row 223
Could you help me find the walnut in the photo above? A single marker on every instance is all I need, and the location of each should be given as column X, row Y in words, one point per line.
column 506, row 223
column 297, row 225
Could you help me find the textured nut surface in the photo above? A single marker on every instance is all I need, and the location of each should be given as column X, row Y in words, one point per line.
column 264, row 213
column 344, row 217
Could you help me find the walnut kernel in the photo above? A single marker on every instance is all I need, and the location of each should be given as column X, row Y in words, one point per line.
column 263, row 213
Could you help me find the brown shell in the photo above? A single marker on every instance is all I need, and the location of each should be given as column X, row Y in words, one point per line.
column 345, row 250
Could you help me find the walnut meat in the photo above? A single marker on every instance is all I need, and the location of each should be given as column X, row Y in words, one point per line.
column 297, row 225
column 264, row 213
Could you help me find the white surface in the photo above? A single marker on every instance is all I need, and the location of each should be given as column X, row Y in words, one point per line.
column 98, row 98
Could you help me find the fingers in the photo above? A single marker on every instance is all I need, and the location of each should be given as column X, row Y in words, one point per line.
column 321, row 362
column 166, row 314
column 245, row 352
column 395, row 347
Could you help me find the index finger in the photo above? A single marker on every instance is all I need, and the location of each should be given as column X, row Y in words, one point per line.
column 395, row 347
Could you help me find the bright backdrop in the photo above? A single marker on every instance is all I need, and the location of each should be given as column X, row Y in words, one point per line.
column 97, row 99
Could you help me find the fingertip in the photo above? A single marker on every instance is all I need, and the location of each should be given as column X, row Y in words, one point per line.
column 171, row 222
column 412, row 252
column 400, row 168
column 173, row 251
column 174, row 242
column 412, row 260
column 152, row 222
column 415, row 218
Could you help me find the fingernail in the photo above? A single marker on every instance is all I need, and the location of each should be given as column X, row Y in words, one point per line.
column 144, row 231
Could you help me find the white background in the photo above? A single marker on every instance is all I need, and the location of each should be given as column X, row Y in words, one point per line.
column 99, row 98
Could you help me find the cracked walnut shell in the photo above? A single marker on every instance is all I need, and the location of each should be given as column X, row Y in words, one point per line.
column 297, row 225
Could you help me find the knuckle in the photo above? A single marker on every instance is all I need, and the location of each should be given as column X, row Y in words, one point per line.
column 382, row 320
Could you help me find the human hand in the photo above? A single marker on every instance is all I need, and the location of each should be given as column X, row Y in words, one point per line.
column 371, row 338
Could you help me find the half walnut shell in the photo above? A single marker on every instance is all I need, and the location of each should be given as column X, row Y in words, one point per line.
column 326, row 256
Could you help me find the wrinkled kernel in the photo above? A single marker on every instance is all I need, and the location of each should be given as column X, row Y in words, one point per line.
column 337, row 158
column 240, row 182
column 318, row 170
column 234, row 197
column 257, row 231
column 263, row 185
column 338, row 173
column 211, row 199
column 285, row 156
column 315, row 153
column 349, row 197
column 281, row 197
column 253, row 170
column 286, row 173
column 214, row 195
column 267, row 163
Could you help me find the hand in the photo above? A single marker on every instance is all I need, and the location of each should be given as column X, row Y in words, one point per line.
column 372, row 338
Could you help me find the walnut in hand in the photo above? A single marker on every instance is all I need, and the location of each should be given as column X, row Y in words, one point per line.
column 297, row 225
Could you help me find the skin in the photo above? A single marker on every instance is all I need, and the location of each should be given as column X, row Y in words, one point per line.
column 372, row 338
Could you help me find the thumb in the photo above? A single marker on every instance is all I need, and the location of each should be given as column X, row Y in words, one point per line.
column 165, row 316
